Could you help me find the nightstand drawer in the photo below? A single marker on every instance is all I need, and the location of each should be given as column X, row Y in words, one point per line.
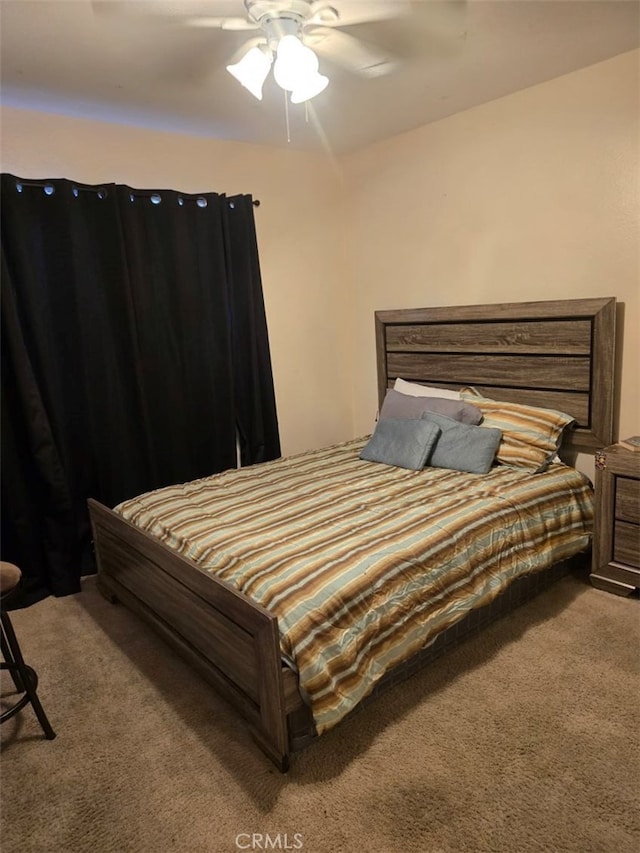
column 626, row 543
column 628, row 499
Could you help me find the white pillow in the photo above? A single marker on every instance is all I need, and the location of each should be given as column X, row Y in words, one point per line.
column 416, row 390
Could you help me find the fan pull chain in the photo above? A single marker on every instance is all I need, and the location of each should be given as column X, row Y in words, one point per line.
column 286, row 113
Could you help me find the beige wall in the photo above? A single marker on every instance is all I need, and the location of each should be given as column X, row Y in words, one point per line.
column 300, row 239
column 533, row 196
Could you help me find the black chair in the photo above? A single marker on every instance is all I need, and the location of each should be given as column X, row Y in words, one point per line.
column 24, row 677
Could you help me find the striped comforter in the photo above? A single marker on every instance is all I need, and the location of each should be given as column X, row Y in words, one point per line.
column 365, row 563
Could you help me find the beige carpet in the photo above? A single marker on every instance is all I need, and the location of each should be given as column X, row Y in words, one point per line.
column 523, row 739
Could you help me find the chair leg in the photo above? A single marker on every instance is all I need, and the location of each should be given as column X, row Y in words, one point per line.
column 8, row 657
column 15, row 663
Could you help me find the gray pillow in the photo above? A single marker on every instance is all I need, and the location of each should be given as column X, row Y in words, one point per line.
column 398, row 405
column 402, row 442
column 463, row 447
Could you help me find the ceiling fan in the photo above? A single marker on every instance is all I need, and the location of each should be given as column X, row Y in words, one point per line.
column 289, row 35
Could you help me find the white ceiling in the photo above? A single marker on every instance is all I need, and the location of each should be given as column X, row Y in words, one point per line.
column 60, row 56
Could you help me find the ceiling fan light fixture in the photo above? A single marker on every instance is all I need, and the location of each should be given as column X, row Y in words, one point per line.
column 309, row 88
column 251, row 71
column 296, row 68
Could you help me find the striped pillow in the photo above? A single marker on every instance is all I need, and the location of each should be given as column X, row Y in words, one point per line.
column 531, row 436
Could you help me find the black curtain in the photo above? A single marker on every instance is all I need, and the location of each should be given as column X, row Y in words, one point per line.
column 134, row 346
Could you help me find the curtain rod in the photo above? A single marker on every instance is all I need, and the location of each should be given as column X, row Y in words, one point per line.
column 35, row 183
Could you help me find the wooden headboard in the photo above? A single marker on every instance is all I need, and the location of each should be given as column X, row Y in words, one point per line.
column 557, row 354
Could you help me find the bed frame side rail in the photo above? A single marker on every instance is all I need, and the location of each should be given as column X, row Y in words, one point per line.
column 230, row 640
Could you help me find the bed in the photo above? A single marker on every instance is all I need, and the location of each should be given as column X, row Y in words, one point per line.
column 203, row 587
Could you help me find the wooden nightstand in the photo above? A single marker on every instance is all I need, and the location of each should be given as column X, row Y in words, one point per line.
column 616, row 531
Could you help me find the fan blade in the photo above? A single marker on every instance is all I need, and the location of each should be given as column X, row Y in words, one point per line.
column 345, row 14
column 169, row 9
column 351, row 53
column 229, row 24
column 222, row 14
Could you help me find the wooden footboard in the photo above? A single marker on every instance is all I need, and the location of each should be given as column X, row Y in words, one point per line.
column 231, row 641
